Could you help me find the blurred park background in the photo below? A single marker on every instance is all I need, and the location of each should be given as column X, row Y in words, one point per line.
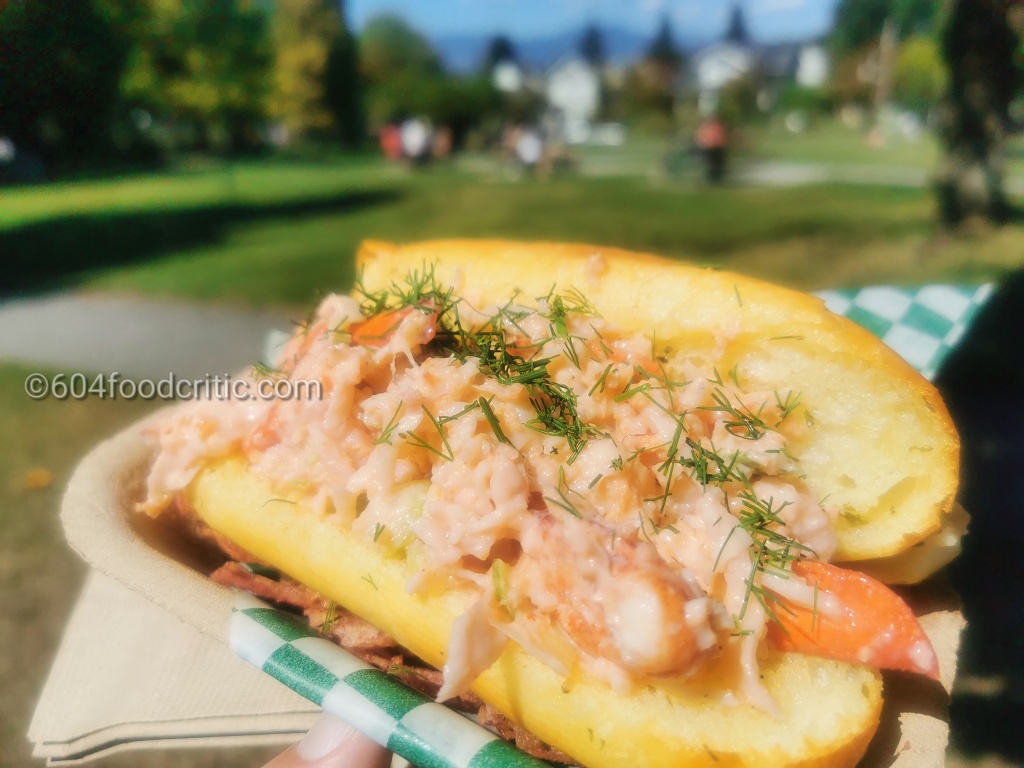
column 233, row 153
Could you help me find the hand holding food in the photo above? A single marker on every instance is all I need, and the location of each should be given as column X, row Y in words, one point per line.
column 599, row 490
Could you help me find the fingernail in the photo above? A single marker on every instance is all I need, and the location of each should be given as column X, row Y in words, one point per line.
column 327, row 734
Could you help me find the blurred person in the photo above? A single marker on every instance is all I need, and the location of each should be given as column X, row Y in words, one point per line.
column 529, row 148
column 333, row 743
column 713, row 143
column 391, row 142
column 416, row 140
column 442, row 146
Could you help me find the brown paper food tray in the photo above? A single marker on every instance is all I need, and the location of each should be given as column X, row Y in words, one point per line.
column 101, row 525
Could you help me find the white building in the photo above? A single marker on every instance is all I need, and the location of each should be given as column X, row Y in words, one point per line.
column 812, row 66
column 507, row 76
column 573, row 91
column 715, row 67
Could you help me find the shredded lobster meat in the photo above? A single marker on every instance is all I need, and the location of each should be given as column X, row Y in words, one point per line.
column 615, row 505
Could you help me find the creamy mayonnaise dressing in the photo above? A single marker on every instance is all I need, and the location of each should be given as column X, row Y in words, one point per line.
column 628, row 550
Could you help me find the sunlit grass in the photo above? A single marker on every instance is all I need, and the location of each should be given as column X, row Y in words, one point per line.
column 811, row 237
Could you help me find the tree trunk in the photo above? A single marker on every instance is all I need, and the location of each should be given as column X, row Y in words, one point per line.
column 979, row 46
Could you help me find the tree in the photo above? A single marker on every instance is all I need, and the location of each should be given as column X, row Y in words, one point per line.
column 663, row 50
column 499, row 49
column 920, row 78
column 650, row 85
column 592, row 46
column 343, row 88
column 979, row 43
column 736, row 31
column 303, row 33
column 859, row 23
column 400, row 69
column 61, row 63
column 390, row 47
column 204, row 63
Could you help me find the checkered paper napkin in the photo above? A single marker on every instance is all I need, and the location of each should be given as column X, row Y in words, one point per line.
column 921, row 324
column 408, row 723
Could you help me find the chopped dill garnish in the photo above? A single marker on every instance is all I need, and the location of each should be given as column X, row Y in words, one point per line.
column 330, row 618
column 378, row 529
column 385, row 435
column 623, row 396
column 492, row 419
column 602, row 380
column 368, row 578
column 266, row 371
column 774, row 551
column 499, row 579
column 741, row 421
column 415, row 439
column 279, row 501
column 565, row 503
column 403, row 669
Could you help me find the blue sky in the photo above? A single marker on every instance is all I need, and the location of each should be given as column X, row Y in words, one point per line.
column 767, row 20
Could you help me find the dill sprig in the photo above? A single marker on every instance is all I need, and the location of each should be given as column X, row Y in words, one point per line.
column 563, row 490
column 773, row 550
column 331, row 617
column 392, row 425
column 741, row 421
column 266, row 371
column 447, row 453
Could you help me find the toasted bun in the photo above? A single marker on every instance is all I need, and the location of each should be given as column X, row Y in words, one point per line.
column 882, row 446
column 829, row 710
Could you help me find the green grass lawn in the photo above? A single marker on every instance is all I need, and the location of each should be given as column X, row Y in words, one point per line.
column 279, row 233
column 831, row 143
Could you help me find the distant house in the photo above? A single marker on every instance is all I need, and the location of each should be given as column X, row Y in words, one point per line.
column 812, row 65
column 573, row 91
column 718, row 65
column 507, row 76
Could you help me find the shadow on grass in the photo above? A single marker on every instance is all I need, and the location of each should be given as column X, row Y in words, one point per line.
column 983, row 385
column 59, row 252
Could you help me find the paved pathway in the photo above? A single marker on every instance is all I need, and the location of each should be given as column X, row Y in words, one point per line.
column 137, row 337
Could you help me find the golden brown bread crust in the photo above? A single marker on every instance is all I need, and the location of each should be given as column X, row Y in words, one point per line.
column 879, row 440
column 830, row 710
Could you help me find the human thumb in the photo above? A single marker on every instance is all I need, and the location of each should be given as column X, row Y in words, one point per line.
column 333, row 743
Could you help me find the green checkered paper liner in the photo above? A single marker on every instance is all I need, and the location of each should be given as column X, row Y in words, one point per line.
column 408, row 723
column 921, row 324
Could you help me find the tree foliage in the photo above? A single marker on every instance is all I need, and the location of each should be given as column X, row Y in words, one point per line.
column 920, row 78
column 736, row 31
column 592, row 46
column 206, row 63
column 60, row 69
column 858, row 23
column 390, row 48
column 663, row 50
column 980, row 43
column 303, row 33
column 499, row 49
